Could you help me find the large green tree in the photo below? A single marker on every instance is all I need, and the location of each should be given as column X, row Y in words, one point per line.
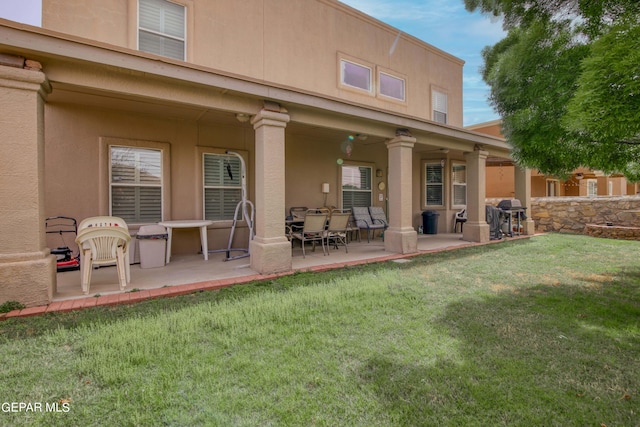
column 566, row 82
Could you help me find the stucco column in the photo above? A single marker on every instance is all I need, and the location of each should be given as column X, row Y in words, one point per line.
column 522, row 180
column 400, row 237
column 27, row 269
column 270, row 249
column 476, row 228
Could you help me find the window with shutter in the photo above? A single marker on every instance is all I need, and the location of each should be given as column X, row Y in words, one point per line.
column 434, row 185
column 356, row 186
column 222, row 186
column 440, row 106
column 459, row 185
column 161, row 28
column 135, row 176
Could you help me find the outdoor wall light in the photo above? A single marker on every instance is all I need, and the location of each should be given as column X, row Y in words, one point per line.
column 325, row 188
column 242, row 117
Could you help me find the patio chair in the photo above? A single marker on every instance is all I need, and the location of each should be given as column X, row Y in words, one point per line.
column 378, row 215
column 459, row 218
column 297, row 213
column 311, row 231
column 336, row 231
column 104, row 240
column 365, row 222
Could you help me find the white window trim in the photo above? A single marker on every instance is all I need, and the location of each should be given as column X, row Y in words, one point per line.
column 402, row 100
column 460, row 184
column 592, row 187
column 200, row 152
column 437, row 163
column 104, row 170
column 435, row 107
column 360, row 165
column 371, row 67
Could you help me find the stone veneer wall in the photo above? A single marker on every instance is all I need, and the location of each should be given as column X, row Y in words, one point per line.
column 573, row 214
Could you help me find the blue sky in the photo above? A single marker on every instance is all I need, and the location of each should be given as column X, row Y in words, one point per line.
column 444, row 24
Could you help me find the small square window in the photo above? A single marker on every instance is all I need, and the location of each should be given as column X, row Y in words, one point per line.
column 392, row 86
column 355, row 75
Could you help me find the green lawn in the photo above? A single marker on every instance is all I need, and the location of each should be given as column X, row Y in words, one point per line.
column 535, row 332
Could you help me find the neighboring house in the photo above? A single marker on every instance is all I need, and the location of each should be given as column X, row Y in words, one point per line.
column 583, row 182
column 128, row 108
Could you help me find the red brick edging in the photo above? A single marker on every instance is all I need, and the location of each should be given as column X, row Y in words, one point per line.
column 176, row 290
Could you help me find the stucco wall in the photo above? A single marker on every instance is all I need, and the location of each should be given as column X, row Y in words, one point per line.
column 572, row 214
column 73, row 159
column 289, row 43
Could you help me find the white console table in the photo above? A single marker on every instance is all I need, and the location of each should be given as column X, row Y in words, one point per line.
column 188, row 223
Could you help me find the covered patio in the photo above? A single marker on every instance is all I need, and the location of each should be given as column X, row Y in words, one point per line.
column 93, row 100
column 192, row 272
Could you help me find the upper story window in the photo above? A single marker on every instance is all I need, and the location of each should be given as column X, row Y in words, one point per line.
column 440, row 106
column 135, row 176
column 459, row 190
column 434, row 185
column 356, row 186
column 161, row 28
column 355, row 75
column 392, row 86
column 222, row 175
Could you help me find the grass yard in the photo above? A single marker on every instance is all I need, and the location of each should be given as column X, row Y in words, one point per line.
column 535, row 332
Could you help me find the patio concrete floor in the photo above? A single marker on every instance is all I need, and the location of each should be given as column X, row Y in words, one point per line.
column 190, row 269
column 190, row 273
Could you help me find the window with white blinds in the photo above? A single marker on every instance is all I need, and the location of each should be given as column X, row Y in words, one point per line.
column 459, row 185
column 222, row 186
column 356, row 186
column 440, row 106
column 161, row 28
column 434, row 194
column 135, row 177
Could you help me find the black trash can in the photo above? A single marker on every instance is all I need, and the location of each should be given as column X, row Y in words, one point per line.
column 430, row 222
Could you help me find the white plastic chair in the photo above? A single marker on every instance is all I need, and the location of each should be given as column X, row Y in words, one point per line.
column 104, row 240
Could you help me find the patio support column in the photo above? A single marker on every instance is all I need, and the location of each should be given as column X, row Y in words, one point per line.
column 522, row 179
column 476, row 228
column 27, row 268
column 400, row 237
column 270, row 249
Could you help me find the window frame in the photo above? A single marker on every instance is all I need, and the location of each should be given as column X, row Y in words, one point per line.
column 164, row 35
column 370, row 190
column 440, row 184
column 592, row 187
column 342, row 58
column 205, row 186
column 439, row 104
column 104, row 171
column 395, row 76
column 455, row 183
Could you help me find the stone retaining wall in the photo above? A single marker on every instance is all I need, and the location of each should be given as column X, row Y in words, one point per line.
column 613, row 232
column 572, row 214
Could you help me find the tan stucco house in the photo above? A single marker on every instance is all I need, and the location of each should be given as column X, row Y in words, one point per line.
column 128, row 108
column 582, row 182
